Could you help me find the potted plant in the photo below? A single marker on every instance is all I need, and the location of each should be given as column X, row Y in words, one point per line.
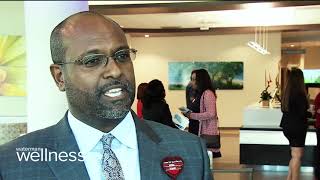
column 265, row 97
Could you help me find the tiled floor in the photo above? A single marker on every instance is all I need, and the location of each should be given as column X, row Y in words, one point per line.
column 231, row 155
column 257, row 174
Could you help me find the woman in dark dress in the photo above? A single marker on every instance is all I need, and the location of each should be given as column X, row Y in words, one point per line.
column 155, row 107
column 294, row 107
column 193, row 103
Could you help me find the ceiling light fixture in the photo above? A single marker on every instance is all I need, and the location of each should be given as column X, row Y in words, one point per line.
column 260, row 42
column 258, row 5
column 205, row 25
column 146, row 35
column 204, row 28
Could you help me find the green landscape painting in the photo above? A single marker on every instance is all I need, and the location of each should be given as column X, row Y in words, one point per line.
column 225, row 75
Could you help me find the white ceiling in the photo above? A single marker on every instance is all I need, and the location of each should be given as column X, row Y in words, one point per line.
column 252, row 14
column 258, row 15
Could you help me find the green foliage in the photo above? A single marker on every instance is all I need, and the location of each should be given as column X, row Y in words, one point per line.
column 265, row 95
column 176, row 87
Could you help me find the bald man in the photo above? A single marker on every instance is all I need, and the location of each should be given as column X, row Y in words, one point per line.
column 100, row 137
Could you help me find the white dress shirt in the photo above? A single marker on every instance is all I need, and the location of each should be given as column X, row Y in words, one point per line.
column 125, row 146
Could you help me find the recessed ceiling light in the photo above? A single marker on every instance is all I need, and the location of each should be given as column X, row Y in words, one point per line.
column 146, row 35
column 264, row 5
column 204, row 28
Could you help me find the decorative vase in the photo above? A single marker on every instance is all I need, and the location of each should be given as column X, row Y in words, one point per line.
column 265, row 103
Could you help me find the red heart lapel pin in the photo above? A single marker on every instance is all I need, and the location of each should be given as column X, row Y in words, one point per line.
column 172, row 166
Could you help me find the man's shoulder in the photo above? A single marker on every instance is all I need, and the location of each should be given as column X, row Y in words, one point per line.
column 20, row 158
column 189, row 147
column 167, row 133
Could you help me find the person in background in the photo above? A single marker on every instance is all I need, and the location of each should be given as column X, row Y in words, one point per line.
column 294, row 106
column 317, row 126
column 208, row 118
column 155, row 107
column 193, row 103
column 140, row 93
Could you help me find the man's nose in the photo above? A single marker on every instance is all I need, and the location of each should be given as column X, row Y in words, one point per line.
column 111, row 69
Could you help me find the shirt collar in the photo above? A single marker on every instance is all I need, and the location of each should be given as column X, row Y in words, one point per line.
column 88, row 137
column 123, row 129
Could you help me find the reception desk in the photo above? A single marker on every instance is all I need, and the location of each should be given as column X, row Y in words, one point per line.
column 262, row 141
column 255, row 115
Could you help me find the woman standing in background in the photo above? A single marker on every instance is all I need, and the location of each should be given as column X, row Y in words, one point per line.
column 207, row 117
column 193, row 103
column 294, row 106
column 140, row 92
column 155, row 107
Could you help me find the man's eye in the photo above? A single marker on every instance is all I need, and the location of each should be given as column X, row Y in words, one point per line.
column 123, row 56
column 92, row 61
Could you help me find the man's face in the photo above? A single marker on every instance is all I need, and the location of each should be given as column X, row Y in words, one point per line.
column 107, row 91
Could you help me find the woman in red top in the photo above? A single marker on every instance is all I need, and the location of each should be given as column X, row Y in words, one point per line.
column 317, row 126
column 140, row 92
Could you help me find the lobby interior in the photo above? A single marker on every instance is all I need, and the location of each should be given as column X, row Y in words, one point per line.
column 194, row 31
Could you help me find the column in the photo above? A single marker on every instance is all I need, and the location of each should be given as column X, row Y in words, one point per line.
column 46, row 105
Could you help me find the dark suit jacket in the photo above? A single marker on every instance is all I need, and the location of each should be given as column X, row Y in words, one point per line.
column 155, row 142
column 159, row 112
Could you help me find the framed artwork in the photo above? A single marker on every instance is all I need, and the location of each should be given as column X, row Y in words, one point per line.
column 225, row 75
column 311, row 76
column 12, row 66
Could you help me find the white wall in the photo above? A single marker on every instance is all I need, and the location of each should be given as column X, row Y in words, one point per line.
column 12, row 23
column 155, row 53
column 46, row 105
column 12, row 17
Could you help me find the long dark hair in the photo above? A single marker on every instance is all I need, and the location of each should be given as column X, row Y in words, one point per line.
column 203, row 81
column 294, row 86
column 141, row 89
column 153, row 93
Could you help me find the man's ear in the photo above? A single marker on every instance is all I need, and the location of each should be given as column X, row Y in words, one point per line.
column 57, row 74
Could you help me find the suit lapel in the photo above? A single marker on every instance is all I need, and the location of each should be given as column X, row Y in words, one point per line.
column 151, row 152
column 64, row 141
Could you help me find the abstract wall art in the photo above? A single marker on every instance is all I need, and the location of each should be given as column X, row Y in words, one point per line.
column 12, row 65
